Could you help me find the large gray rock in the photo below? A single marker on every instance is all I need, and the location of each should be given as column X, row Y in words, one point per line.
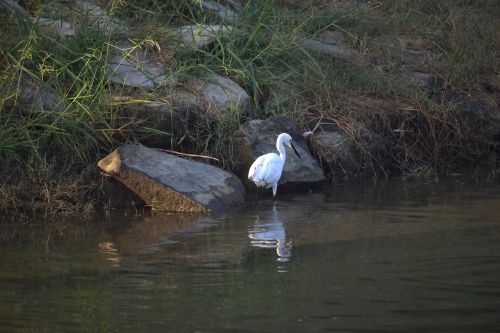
column 59, row 27
column 482, row 120
column 159, row 121
column 431, row 84
column 34, row 97
column 223, row 93
column 236, row 5
column 117, row 195
column 343, row 158
column 134, row 67
column 258, row 137
column 172, row 183
column 222, row 12
column 211, row 96
column 417, row 53
column 199, row 36
column 99, row 18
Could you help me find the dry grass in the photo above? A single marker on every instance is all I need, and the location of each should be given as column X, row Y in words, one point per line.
column 37, row 194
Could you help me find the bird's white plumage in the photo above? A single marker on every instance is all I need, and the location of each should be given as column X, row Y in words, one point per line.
column 266, row 170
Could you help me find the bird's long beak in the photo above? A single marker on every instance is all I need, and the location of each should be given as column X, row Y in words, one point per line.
column 295, row 150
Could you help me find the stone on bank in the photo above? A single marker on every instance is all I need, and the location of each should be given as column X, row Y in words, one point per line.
column 170, row 183
column 258, row 137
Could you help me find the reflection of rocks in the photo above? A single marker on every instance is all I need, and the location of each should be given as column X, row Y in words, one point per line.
column 131, row 239
column 258, row 137
column 171, row 183
column 270, row 233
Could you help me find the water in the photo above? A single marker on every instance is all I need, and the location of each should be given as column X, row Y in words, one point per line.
column 396, row 257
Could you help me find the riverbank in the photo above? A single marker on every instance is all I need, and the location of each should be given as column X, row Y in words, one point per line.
column 423, row 78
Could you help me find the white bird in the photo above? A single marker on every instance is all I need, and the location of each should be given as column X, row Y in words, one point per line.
column 266, row 170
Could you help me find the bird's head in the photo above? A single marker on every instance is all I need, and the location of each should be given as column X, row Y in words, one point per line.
column 287, row 140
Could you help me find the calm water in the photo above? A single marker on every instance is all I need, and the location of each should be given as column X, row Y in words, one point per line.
column 396, row 257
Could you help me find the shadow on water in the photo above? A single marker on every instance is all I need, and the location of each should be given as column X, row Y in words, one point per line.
column 387, row 258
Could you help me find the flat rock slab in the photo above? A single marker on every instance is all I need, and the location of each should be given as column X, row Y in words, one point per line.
column 330, row 43
column 134, row 67
column 200, row 35
column 170, row 183
column 258, row 137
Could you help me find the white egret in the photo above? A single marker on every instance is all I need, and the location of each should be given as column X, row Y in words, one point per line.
column 266, row 170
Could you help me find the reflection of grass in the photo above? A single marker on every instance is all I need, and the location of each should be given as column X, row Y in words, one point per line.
column 264, row 53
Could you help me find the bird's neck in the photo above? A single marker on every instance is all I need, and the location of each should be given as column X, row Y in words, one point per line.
column 281, row 149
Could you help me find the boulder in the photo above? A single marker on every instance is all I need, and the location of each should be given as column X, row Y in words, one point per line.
column 99, row 18
column 194, row 37
column 134, row 67
column 429, row 83
column 170, row 183
column 482, row 120
column 220, row 11
column 418, row 54
column 258, row 137
column 159, row 117
column 343, row 158
column 117, row 195
column 34, row 97
column 223, row 93
column 236, row 5
column 213, row 95
column 59, row 27
column 330, row 43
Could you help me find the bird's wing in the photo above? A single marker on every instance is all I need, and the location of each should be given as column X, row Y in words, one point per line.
column 266, row 168
column 256, row 165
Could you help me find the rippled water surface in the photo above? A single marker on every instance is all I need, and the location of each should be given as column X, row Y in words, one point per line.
column 395, row 257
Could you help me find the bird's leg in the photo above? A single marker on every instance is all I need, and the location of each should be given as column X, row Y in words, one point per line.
column 275, row 188
column 256, row 195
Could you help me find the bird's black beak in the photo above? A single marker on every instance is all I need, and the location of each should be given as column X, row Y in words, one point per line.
column 295, row 150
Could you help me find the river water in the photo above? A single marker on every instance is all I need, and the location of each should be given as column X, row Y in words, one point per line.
column 388, row 257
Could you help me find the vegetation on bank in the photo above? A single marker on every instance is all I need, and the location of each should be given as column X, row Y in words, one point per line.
column 48, row 158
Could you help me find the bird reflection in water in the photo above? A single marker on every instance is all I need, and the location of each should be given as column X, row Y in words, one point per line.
column 270, row 233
